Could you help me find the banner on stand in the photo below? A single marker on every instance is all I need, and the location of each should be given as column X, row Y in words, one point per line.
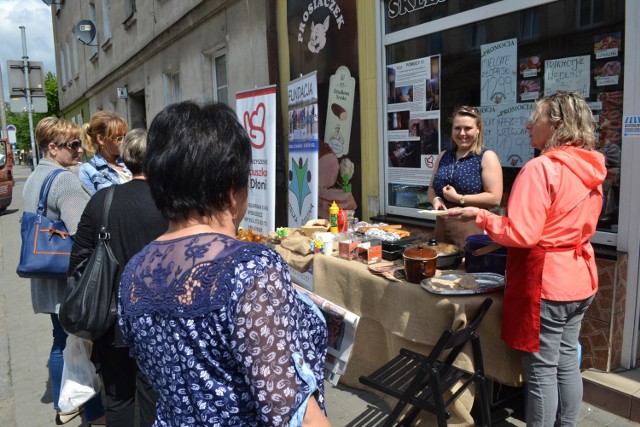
column 303, row 150
column 256, row 110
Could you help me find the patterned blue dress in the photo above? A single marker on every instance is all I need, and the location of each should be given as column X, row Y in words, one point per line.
column 221, row 333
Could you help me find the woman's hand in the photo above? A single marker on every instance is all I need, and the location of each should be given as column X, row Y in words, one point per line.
column 463, row 214
column 451, row 194
column 438, row 204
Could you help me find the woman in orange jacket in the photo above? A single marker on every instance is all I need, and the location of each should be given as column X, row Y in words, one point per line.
column 551, row 271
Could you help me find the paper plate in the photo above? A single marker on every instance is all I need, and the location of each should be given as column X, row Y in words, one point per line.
column 487, row 282
column 433, row 212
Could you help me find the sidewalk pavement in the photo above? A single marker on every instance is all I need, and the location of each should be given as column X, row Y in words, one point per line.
column 25, row 341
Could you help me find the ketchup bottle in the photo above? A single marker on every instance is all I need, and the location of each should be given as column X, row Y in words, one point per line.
column 343, row 221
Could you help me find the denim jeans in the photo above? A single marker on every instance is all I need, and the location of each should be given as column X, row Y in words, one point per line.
column 93, row 408
column 552, row 375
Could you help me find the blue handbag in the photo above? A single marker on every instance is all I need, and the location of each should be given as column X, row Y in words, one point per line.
column 46, row 244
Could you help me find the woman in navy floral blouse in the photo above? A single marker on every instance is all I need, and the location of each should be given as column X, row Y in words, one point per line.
column 214, row 322
column 466, row 175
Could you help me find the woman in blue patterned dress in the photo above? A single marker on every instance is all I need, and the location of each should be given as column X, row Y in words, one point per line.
column 466, row 175
column 213, row 322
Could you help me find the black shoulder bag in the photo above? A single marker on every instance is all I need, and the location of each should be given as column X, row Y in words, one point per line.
column 89, row 307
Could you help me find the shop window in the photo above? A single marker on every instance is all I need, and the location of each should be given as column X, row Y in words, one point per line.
column 529, row 24
column 590, row 12
column 501, row 64
column 475, row 35
column 220, row 82
column 401, row 14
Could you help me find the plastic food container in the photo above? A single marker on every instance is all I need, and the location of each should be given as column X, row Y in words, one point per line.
column 492, row 262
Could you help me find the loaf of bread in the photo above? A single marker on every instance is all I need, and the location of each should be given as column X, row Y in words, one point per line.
column 465, row 282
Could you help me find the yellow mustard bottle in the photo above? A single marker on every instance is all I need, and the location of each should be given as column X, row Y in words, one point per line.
column 333, row 217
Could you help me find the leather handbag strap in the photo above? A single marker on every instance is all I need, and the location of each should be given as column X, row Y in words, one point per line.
column 104, row 234
column 44, row 190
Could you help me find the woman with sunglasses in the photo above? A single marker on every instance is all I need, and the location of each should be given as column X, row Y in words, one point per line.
column 102, row 137
column 466, row 175
column 60, row 147
column 552, row 276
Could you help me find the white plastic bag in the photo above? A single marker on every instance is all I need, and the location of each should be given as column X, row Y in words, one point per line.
column 80, row 381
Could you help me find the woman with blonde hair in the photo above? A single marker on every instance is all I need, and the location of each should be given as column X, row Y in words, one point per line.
column 59, row 143
column 551, row 276
column 102, row 137
column 466, row 175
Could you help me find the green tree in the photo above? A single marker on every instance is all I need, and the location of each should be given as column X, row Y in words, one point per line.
column 51, row 90
column 21, row 120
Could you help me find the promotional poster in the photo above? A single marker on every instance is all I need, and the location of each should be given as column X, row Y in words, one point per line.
column 303, row 150
column 256, row 111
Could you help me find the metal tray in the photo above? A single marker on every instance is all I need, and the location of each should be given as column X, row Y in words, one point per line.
column 488, row 282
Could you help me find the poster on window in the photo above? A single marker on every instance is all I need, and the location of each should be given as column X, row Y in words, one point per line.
column 570, row 74
column 256, row 110
column 506, row 134
column 498, row 72
column 413, row 120
column 303, row 150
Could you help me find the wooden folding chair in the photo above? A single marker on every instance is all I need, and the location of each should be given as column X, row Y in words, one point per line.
column 425, row 381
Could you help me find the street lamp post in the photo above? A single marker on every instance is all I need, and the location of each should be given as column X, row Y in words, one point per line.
column 25, row 59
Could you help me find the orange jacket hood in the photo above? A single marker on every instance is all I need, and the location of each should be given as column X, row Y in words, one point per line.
column 587, row 165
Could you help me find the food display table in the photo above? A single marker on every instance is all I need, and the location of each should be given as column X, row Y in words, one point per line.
column 394, row 315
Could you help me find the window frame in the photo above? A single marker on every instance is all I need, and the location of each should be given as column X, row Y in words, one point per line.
column 171, row 87
column 221, row 53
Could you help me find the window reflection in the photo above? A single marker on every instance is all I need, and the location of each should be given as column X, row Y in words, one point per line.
column 543, row 34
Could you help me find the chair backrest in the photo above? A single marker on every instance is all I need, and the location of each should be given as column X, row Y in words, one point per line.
column 456, row 340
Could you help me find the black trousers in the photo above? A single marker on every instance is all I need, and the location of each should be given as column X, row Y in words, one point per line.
column 125, row 386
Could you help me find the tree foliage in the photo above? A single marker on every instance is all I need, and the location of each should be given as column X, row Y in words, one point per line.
column 21, row 120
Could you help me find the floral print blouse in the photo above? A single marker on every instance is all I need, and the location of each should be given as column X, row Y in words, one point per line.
column 221, row 333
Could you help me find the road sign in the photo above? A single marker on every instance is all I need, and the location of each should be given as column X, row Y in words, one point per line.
column 17, row 83
column 11, row 133
column 18, row 104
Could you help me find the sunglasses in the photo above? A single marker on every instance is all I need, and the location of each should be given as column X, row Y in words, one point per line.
column 74, row 145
